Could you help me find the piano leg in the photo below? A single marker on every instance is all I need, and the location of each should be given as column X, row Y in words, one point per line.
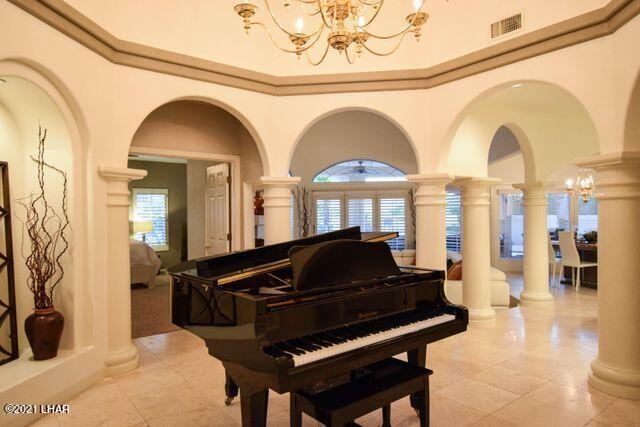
column 417, row 356
column 254, row 405
column 230, row 388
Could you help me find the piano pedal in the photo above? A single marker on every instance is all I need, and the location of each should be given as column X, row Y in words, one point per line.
column 228, row 401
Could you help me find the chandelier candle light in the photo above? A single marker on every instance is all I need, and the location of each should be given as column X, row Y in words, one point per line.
column 581, row 187
column 343, row 23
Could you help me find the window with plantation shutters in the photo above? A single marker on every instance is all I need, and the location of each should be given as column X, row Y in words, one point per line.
column 328, row 215
column 393, row 218
column 360, row 213
column 454, row 221
column 152, row 205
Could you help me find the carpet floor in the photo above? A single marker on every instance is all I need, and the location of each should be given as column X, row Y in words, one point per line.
column 150, row 309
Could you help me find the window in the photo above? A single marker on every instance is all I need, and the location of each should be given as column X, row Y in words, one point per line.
column 151, row 205
column 328, row 215
column 360, row 213
column 393, row 218
column 369, row 210
column 558, row 213
column 360, row 171
column 511, row 225
column 587, row 216
column 454, row 221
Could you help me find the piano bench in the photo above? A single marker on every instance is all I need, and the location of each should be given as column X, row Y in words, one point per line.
column 372, row 387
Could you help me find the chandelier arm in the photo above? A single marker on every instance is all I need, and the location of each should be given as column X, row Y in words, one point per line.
column 321, row 60
column 375, row 14
column 284, row 30
column 349, row 60
column 373, row 3
column 284, row 49
column 404, row 31
column 392, row 51
column 324, row 18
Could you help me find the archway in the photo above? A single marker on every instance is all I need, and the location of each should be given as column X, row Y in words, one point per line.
column 179, row 144
column 367, row 142
column 632, row 122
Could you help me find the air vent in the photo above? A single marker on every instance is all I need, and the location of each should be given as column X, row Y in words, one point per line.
column 506, row 26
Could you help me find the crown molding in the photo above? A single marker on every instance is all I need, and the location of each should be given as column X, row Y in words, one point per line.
column 595, row 24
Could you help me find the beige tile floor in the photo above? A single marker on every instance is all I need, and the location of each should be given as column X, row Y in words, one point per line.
column 527, row 368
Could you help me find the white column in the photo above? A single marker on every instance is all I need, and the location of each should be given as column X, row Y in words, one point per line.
column 277, row 208
column 536, row 245
column 122, row 353
column 476, row 247
column 616, row 370
column 431, row 229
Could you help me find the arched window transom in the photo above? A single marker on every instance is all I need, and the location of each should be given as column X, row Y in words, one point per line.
column 360, row 171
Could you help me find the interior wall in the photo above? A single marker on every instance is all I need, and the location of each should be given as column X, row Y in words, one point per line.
column 173, row 177
column 509, row 169
column 196, row 201
column 351, row 135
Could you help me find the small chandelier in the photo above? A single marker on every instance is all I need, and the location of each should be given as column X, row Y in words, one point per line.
column 343, row 24
column 582, row 186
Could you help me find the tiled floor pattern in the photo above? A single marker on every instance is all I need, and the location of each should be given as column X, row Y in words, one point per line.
column 527, row 368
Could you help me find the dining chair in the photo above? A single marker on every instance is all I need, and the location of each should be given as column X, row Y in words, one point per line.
column 571, row 258
column 555, row 262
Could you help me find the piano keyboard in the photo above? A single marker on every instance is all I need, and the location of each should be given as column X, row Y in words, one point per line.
column 331, row 343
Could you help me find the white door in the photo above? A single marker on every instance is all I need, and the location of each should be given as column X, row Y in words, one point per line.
column 218, row 238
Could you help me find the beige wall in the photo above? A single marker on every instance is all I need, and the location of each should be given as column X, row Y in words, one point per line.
column 510, row 169
column 173, row 177
column 351, row 135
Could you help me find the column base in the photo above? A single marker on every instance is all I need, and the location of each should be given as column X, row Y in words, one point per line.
column 536, row 298
column 619, row 383
column 481, row 314
column 122, row 360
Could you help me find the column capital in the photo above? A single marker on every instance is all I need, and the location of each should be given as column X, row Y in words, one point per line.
column 541, row 186
column 618, row 174
column 431, row 178
column 476, row 181
column 118, row 184
column 607, row 160
column 111, row 173
column 279, row 181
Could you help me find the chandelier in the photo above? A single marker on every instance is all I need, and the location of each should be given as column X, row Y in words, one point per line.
column 582, row 186
column 342, row 24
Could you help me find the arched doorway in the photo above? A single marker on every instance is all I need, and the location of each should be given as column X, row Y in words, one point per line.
column 201, row 163
column 353, row 166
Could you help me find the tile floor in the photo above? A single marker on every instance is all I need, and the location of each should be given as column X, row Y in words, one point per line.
column 527, row 368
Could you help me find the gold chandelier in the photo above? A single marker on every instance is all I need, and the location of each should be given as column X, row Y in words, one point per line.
column 344, row 23
column 582, row 187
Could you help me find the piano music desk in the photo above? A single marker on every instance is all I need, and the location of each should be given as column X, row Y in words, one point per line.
column 376, row 386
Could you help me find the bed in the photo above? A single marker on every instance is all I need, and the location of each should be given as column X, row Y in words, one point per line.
column 145, row 263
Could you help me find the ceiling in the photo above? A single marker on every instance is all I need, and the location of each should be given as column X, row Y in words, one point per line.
column 211, row 30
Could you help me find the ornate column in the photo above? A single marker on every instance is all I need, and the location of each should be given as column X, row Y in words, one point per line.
column 616, row 370
column 122, row 353
column 431, row 238
column 277, row 208
column 536, row 244
column 476, row 247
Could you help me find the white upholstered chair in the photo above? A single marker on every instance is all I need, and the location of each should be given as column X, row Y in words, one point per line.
column 555, row 263
column 570, row 256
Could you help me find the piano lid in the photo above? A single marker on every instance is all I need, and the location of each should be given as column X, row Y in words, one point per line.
column 234, row 266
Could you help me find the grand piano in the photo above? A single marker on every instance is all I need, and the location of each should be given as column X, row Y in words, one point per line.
column 308, row 313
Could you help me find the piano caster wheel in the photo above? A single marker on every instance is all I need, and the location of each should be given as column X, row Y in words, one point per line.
column 228, row 401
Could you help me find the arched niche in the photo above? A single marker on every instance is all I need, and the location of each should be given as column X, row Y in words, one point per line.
column 351, row 134
column 29, row 99
column 551, row 126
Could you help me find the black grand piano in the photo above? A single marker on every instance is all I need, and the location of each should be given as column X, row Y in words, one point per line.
column 305, row 314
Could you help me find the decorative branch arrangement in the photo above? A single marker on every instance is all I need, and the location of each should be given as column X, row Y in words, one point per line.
column 45, row 227
column 412, row 212
column 301, row 198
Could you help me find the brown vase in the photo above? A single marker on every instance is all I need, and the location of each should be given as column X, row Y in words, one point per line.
column 44, row 329
column 258, row 201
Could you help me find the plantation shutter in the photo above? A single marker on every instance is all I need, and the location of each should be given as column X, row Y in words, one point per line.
column 393, row 218
column 453, row 220
column 328, row 215
column 152, row 205
column 360, row 213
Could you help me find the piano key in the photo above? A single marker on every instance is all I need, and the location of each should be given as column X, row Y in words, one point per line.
column 415, row 323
